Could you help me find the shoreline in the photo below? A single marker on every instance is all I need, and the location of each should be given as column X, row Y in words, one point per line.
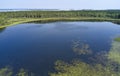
column 16, row 21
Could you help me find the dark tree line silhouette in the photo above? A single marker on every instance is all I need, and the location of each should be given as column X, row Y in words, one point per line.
column 105, row 14
column 49, row 14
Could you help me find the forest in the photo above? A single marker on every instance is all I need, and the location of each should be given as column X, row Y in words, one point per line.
column 48, row 14
column 16, row 17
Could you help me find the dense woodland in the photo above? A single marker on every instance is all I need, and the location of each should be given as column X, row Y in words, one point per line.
column 47, row 14
column 107, row 14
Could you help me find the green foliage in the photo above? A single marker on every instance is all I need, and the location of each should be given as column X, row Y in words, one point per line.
column 50, row 14
column 7, row 18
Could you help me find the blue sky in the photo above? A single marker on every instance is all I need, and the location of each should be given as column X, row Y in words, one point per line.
column 61, row 4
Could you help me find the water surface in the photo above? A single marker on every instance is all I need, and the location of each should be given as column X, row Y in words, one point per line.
column 36, row 47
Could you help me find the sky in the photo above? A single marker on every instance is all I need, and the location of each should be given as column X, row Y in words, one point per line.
column 60, row 4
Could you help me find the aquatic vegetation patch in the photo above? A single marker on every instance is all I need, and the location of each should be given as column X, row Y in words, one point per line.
column 99, row 58
column 117, row 39
column 7, row 71
column 114, row 53
column 81, row 48
column 102, row 64
column 78, row 68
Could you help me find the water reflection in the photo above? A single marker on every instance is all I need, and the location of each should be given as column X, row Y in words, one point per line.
column 69, row 27
column 51, row 21
column 2, row 29
column 116, row 22
column 43, row 21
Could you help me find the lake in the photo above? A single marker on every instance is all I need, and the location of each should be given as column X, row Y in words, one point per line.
column 37, row 46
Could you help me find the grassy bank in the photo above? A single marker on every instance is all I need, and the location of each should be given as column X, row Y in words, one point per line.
column 14, row 21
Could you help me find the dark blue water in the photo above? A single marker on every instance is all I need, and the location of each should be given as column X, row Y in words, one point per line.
column 36, row 47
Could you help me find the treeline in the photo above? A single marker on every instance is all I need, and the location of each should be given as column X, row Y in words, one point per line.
column 50, row 14
column 9, row 18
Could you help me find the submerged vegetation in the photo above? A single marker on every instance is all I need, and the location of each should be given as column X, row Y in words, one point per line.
column 114, row 53
column 117, row 39
column 104, row 64
column 101, row 64
column 12, row 18
column 7, row 71
column 81, row 48
column 79, row 68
